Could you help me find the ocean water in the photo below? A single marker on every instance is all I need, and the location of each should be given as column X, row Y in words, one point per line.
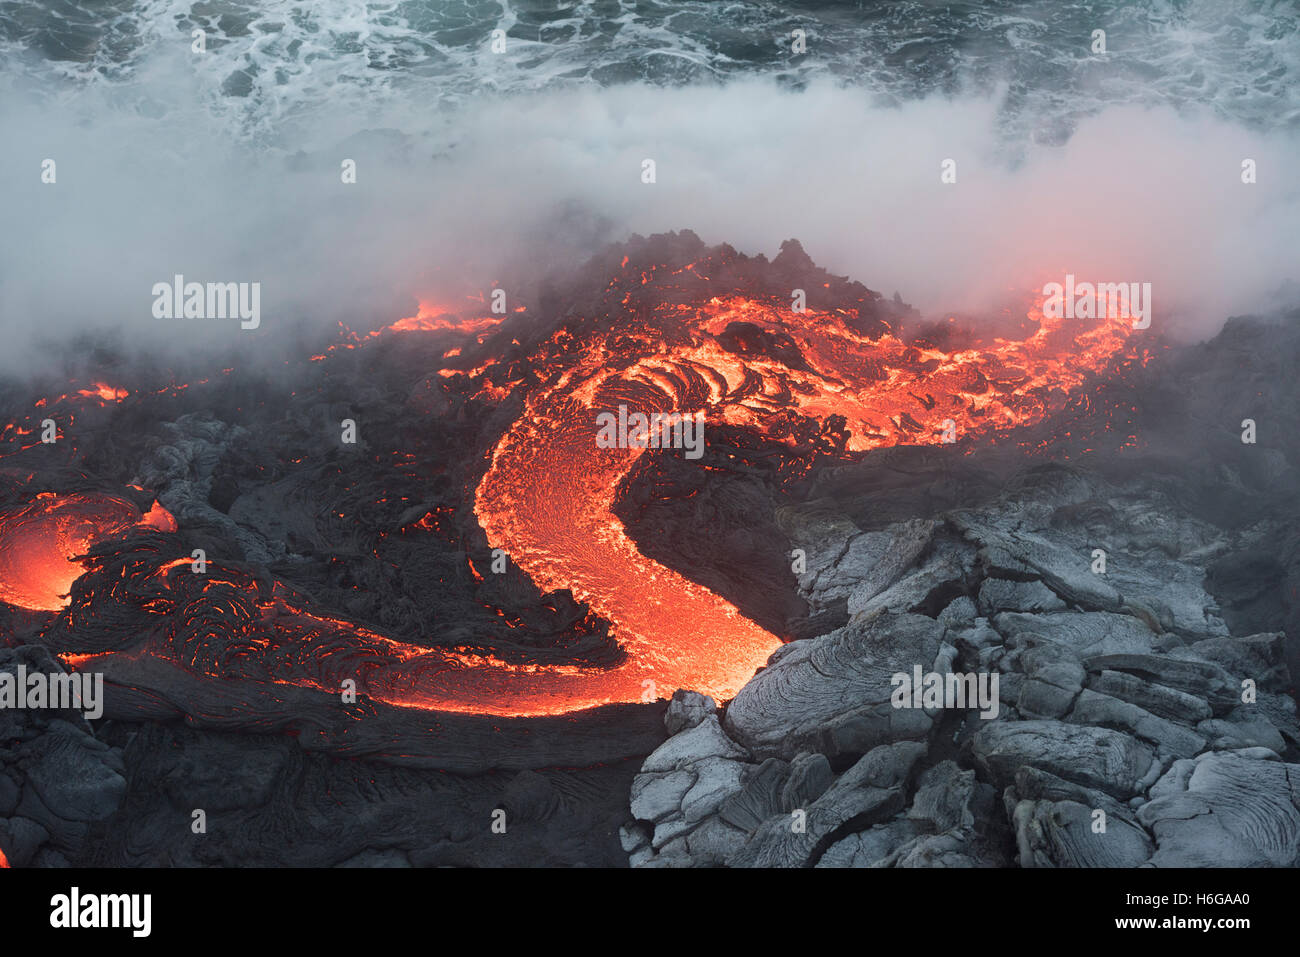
column 475, row 164
column 271, row 62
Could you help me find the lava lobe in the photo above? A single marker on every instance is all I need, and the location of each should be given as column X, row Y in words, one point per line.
column 714, row 337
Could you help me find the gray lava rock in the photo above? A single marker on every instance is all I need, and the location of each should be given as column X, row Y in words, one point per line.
column 760, row 798
column 1107, row 712
column 1054, row 677
column 1097, row 757
column 709, row 845
column 810, row 776
column 873, row 786
column 942, row 801
column 1083, row 633
column 1226, row 809
column 634, row 836
column 1122, row 739
column 803, row 701
column 1064, row 834
column 1202, row 679
column 1001, row 594
column 844, row 562
column 687, row 709
column 869, row 848
column 1243, row 730
column 716, row 780
column 1064, row 566
column 1156, row 698
column 656, row 796
column 704, row 740
column 960, row 611
column 76, row 777
column 946, row 564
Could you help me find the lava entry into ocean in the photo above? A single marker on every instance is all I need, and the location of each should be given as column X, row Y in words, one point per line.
column 716, row 336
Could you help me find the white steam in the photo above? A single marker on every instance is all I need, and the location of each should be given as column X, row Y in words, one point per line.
column 448, row 200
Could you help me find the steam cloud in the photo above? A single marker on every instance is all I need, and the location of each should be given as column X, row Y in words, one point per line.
column 449, row 199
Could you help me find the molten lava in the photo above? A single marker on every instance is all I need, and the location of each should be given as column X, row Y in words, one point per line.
column 433, row 318
column 548, row 497
column 40, row 542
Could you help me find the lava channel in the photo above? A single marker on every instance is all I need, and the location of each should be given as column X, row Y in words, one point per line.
column 548, row 498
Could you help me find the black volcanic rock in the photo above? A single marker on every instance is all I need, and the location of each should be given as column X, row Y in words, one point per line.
column 747, row 339
column 1120, row 692
column 1147, row 713
column 57, row 779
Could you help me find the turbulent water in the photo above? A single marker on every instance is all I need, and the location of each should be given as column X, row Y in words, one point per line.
column 272, row 61
column 472, row 161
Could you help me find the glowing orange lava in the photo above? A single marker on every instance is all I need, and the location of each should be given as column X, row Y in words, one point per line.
column 106, row 393
column 432, row 318
column 549, row 493
column 548, row 498
column 40, row 542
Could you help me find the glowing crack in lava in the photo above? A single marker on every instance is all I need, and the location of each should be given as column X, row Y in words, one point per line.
column 39, row 543
column 548, row 497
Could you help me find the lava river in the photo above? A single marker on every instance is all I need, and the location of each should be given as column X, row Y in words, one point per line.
column 548, row 497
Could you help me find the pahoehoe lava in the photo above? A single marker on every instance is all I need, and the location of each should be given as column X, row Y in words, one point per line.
column 716, row 335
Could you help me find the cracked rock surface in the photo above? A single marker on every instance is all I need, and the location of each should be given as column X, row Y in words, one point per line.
column 1134, row 725
column 57, row 780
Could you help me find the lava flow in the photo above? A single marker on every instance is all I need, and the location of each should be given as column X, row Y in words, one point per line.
column 748, row 363
column 549, row 496
column 40, row 543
